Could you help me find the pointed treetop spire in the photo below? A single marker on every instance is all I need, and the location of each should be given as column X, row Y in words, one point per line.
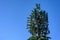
column 38, row 6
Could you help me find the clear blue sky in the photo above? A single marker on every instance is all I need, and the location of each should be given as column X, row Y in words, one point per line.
column 14, row 13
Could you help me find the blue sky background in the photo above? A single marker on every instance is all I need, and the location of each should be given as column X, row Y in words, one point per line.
column 14, row 13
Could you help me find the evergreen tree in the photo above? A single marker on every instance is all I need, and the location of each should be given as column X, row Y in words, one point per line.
column 38, row 24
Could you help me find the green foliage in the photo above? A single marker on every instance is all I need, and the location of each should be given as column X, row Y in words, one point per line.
column 38, row 24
